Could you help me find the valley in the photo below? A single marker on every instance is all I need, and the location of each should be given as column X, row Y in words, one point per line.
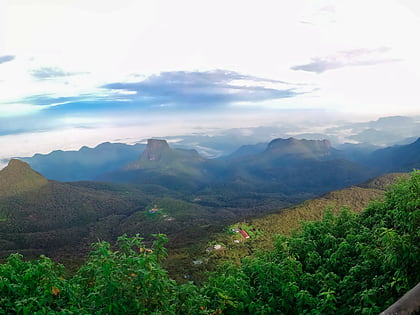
column 195, row 198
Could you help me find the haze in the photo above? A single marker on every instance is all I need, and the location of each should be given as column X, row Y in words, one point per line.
column 76, row 73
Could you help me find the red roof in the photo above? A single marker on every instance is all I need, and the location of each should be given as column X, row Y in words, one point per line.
column 244, row 234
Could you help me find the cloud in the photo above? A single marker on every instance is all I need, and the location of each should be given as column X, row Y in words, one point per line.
column 167, row 91
column 51, row 73
column 6, row 58
column 218, row 87
column 355, row 57
column 384, row 131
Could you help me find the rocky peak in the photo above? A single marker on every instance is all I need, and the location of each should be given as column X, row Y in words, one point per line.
column 154, row 149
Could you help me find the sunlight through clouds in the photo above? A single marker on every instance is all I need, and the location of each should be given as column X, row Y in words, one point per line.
column 96, row 59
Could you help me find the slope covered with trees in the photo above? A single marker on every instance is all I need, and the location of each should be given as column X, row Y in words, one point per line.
column 345, row 264
column 86, row 163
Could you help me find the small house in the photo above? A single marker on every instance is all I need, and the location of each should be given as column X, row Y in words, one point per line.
column 154, row 210
column 244, row 233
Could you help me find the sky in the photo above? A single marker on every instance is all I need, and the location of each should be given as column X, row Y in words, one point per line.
column 77, row 72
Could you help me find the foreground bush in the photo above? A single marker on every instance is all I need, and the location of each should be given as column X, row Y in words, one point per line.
column 342, row 265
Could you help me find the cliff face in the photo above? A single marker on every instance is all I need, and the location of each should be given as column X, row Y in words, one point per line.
column 154, row 150
column 159, row 157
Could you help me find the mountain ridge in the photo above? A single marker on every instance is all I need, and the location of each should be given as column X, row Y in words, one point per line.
column 396, row 158
column 301, row 148
column 86, row 163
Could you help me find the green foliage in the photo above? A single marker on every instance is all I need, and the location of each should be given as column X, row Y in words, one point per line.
column 129, row 280
column 30, row 287
column 345, row 264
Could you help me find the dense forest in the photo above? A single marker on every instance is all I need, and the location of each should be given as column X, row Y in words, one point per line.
column 345, row 264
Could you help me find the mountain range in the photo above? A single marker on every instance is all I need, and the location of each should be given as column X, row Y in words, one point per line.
column 86, row 163
column 287, row 168
column 192, row 196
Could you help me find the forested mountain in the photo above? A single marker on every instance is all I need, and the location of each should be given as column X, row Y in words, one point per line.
column 402, row 158
column 39, row 216
column 18, row 177
column 246, row 150
column 287, row 166
column 86, row 163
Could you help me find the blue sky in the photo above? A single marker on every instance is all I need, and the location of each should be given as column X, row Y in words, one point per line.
column 76, row 72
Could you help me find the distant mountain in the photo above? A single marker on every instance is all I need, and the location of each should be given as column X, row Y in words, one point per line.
column 86, row 163
column 290, row 146
column 286, row 166
column 246, row 150
column 159, row 156
column 385, row 131
column 292, row 166
column 356, row 152
column 159, row 164
column 401, row 158
column 300, row 149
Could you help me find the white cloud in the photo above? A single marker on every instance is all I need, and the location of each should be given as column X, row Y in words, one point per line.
column 117, row 41
column 18, row 109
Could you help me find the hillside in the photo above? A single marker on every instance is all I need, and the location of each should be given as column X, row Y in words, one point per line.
column 353, row 263
column 18, row 177
column 281, row 222
column 356, row 198
column 38, row 216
